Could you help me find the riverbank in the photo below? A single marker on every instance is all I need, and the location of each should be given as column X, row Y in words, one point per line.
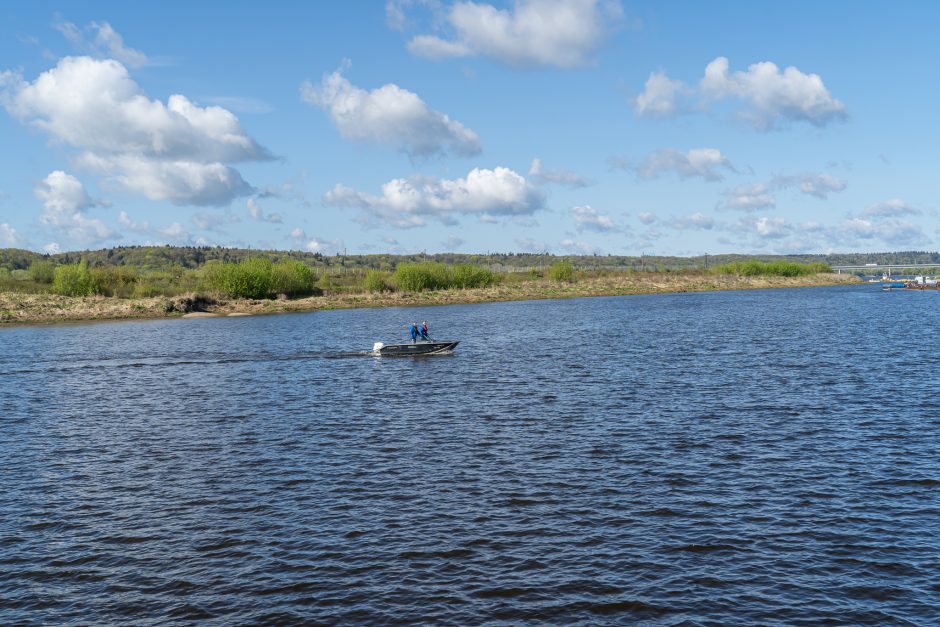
column 18, row 308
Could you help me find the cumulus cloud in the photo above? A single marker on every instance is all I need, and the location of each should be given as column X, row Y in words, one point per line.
column 389, row 115
column 101, row 40
column 659, row 96
column 405, row 203
column 174, row 151
column 529, row 245
column 891, row 208
column 761, row 195
column 452, row 242
column 892, row 231
column 9, row 236
column 315, row 244
column 647, row 217
column 577, row 247
column 770, row 97
column 52, row 248
column 587, row 218
column 772, row 94
column 698, row 162
column 538, row 174
column 695, row 222
column 750, row 197
column 64, row 202
column 818, row 185
column 258, row 214
column 560, row 33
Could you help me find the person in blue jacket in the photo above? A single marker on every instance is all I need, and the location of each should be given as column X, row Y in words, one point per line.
column 414, row 332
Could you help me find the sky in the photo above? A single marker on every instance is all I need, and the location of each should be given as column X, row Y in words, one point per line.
column 563, row 126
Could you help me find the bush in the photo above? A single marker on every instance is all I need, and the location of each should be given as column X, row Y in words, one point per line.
column 42, row 271
column 753, row 267
column 561, row 271
column 466, row 275
column 115, row 280
column 74, row 280
column 293, row 278
column 417, row 277
column 374, row 281
column 259, row 278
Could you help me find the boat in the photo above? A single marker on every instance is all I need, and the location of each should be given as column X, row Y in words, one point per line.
column 421, row 347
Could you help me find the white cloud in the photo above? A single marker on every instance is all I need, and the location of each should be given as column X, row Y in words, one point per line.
column 696, row 222
column 647, row 217
column 315, row 244
column 562, row 177
column 892, row 231
column 257, row 213
column 410, row 202
column 175, row 233
column 561, row 33
column 52, row 248
column 173, row 151
column 529, row 245
column 590, row 219
column 64, row 201
column 750, row 197
column 9, row 236
column 577, row 247
column 773, row 95
column 772, row 228
column 760, row 195
column 331, row 247
column 389, row 115
column 698, row 162
column 104, row 41
column 818, row 185
column 659, row 96
column 891, row 208
column 136, row 227
column 452, row 242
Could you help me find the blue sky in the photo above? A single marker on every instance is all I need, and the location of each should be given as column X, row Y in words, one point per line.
column 415, row 125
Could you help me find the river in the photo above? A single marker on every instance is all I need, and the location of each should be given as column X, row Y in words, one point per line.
column 729, row 457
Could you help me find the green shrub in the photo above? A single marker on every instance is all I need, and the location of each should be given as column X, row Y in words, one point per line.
column 465, row 275
column 561, row 271
column 374, row 281
column 752, row 267
column 42, row 271
column 115, row 280
column 418, row 277
column 74, row 280
column 293, row 278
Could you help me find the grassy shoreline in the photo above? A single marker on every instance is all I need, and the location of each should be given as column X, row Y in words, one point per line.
column 17, row 308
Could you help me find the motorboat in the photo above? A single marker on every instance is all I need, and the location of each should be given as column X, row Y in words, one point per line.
column 420, row 347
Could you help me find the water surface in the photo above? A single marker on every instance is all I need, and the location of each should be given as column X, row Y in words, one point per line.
column 735, row 457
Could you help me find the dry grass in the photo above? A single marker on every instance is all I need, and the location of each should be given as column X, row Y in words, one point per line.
column 45, row 308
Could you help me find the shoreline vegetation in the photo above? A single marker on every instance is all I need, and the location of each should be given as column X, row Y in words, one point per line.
column 76, row 290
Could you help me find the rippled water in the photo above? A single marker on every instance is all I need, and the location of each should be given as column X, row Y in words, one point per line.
column 738, row 457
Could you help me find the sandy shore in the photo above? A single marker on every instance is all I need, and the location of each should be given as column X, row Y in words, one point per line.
column 18, row 308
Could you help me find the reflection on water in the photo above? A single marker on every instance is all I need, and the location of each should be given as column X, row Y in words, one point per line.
column 731, row 457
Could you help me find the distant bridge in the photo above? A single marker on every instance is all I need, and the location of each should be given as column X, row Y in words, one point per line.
column 886, row 267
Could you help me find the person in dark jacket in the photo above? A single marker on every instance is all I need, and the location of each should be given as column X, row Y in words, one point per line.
column 424, row 331
column 414, row 332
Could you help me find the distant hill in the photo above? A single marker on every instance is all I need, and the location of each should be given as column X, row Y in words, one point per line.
column 157, row 258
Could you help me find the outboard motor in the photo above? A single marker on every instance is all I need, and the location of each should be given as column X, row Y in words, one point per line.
column 377, row 347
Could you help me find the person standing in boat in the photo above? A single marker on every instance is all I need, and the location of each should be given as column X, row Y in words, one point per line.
column 424, row 331
column 414, row 332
